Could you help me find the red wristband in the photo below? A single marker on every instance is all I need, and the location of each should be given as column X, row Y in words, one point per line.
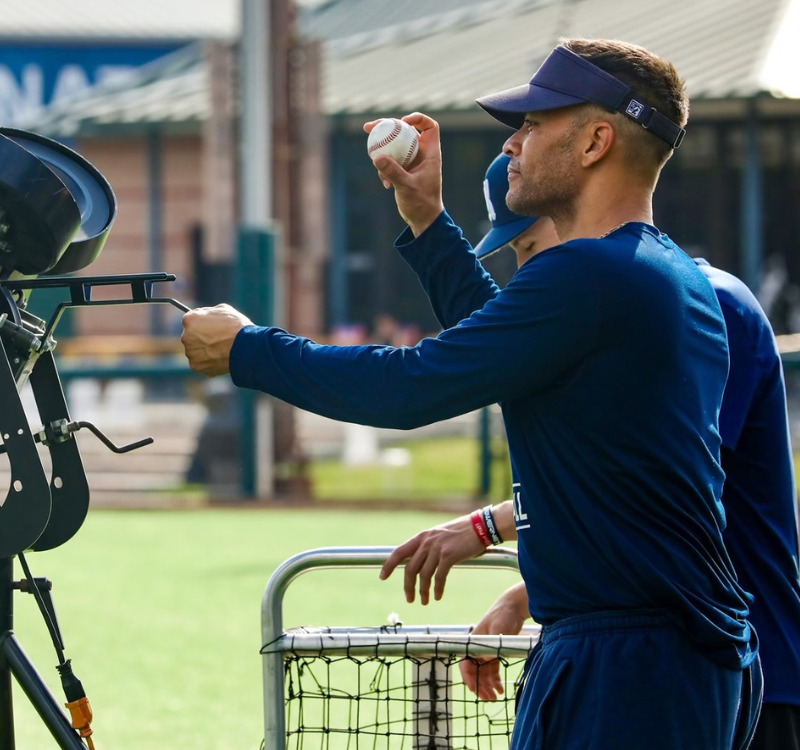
column 480, row 529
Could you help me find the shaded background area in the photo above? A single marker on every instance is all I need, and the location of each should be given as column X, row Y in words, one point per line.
column 157, row 103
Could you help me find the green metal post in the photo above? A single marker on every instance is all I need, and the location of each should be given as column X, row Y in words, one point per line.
column 254, row 295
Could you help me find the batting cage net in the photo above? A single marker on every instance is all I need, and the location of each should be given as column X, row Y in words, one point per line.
column 383, row 688
column 397, row 688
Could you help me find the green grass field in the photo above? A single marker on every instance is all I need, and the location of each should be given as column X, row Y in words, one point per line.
column 160, row 612
column 439, row 468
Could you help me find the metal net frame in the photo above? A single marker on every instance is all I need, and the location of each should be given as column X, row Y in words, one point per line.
column 395, row 689
column 383, row 688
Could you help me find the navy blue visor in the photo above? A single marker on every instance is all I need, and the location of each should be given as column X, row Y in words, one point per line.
column 565, row 79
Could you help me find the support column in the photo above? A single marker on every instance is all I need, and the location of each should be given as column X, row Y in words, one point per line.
column 338, row 274
column 752, row 203
column 154, row 203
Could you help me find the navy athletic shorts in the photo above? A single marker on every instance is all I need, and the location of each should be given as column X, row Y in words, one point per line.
column 631, row 681
column 778, row 728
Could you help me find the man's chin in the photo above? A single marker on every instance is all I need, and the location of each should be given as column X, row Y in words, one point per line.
column 521, row 207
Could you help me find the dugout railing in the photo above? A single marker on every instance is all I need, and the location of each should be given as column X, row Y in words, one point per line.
column 389, row 687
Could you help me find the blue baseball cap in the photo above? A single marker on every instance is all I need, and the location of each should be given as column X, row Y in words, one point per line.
column 506, row 225
column 565, row 79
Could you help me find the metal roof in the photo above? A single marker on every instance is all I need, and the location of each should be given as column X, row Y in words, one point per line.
column 336, row 19
column 725, row 49
column 721, row 47
column 142, row 19
column 150, row 19
column 169, row 92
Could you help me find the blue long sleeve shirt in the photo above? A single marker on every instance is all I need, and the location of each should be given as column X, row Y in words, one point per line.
column 759, row 492
column 609, row 360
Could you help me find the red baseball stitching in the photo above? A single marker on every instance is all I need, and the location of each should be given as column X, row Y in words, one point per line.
column 410, row 154
column 387, row 139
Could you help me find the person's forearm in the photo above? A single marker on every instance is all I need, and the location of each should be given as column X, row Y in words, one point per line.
column 508, row 613
column 452, row 277
column 517, row 597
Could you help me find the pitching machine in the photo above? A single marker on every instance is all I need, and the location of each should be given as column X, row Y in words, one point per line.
column 56, row 211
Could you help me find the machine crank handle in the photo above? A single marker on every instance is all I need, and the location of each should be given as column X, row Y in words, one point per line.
column 61, row 430
column 111, row 446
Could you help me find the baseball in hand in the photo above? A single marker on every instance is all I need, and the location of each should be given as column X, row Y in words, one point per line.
column 393, row 138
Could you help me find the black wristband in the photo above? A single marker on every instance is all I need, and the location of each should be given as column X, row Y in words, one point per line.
column 491, row 526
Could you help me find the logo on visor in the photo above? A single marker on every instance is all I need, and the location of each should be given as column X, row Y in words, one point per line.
column 634, row 109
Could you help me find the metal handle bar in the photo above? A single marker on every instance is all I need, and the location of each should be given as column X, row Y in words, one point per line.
column 80, row 291
column 345, row 557
column 272, row 613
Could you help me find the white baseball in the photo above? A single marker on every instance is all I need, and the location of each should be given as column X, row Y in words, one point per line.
column 393, row 138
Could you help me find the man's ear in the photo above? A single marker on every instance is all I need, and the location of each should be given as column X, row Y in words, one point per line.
column 598, row 138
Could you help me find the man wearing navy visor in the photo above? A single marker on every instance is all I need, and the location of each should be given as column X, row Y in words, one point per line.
column 608, row 356
column 759, row 493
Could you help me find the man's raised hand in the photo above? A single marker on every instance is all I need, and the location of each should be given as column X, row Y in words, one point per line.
column 418, row 189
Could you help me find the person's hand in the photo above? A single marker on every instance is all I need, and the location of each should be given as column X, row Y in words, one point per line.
column 417, row 190
column 434, row 551
column 208, row 334
column 506, row 616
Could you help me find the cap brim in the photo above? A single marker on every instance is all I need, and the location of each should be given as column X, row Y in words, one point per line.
column 500, row 236
column 511, row 105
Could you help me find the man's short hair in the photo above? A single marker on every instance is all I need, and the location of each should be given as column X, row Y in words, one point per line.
column 653, row 80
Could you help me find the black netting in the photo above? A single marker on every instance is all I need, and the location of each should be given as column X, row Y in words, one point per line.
column 379, row 702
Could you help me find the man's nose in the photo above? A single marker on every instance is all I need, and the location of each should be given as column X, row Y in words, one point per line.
column 513, row 145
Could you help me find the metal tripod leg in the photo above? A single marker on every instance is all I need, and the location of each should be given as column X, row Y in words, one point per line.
column 45, row 703
column 13, row 660
column 6, row 624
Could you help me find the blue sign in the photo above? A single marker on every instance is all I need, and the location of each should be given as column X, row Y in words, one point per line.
column 34, row 75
